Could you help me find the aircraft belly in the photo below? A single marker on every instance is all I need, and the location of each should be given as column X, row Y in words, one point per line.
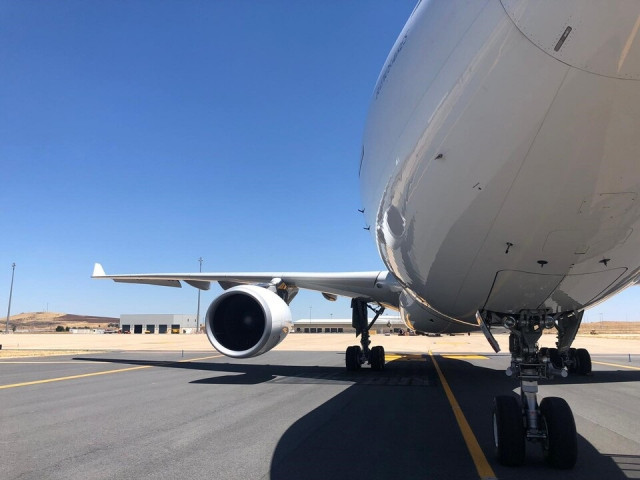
column 511, row 161
column 573, row 210
column 535, row 290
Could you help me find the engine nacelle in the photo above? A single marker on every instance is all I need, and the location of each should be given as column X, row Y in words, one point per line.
column 246, row 321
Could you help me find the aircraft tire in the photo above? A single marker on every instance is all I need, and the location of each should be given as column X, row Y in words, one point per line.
column 508, row 431
column 561, row 444
column 377, row 358
column 584, row 361
column 351, row 359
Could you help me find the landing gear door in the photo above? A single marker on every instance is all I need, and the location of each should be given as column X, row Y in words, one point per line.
column 487, row 333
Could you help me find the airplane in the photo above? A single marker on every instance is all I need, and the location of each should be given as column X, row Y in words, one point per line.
column 499, row 176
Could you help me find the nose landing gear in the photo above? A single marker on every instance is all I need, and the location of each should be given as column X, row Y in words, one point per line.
column 551, row 422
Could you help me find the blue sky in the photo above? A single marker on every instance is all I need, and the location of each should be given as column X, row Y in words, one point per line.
column 147, row 134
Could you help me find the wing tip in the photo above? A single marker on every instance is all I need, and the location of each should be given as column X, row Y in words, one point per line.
column 98, row 271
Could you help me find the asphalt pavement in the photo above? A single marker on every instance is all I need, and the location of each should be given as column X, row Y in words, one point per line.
column 292, row 415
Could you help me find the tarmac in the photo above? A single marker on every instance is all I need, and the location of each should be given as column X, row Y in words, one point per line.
column 152, row 406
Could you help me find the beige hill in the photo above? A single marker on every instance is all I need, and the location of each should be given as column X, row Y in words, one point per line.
column 48, row 321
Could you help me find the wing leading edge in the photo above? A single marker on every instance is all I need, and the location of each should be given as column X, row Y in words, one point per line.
column 380, row 287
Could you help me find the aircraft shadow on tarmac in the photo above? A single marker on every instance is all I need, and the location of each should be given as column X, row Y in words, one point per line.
column 382, row 433
column 398, row 423
column 397, row 373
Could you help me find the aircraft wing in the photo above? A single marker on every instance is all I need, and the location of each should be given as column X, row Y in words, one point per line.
column 379, row 287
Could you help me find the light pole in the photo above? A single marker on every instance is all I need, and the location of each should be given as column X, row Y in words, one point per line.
column 198, row 314
column 13, row 270
column 309, row 313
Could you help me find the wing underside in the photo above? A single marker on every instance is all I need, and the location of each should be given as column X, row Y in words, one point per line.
column 380, row 286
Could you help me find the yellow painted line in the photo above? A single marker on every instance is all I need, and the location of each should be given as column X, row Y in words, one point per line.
column 198, row 359
column 84, row 375
column 71, row 377
column 390, row 357
column 617, row 365
column 482, row 465
column 466, row 357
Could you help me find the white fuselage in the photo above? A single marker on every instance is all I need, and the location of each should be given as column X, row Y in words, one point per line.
column 500, row 159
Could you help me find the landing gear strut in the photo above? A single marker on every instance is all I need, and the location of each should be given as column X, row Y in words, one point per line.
column 551, row 422
column 357, row 355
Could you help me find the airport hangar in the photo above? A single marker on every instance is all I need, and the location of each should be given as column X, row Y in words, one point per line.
column 384, row 324
column 158, row 323
column 163, row 323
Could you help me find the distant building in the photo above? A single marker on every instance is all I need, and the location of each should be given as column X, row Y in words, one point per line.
column 86, row 330
column 384, row 324
column 157, row 323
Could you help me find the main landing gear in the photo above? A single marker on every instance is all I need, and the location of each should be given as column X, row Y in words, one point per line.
column 358, row 355
column 551, row 422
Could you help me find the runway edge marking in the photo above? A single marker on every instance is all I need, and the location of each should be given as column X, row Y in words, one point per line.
column 93, row 374
column 482, row 465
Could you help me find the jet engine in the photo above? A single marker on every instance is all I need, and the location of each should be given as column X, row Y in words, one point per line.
column 246, row 321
